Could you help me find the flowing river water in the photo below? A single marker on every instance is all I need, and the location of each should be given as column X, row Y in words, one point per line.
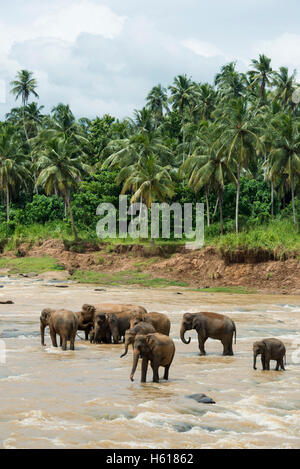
column 84, row 398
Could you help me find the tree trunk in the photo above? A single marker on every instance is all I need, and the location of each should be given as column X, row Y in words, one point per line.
column 237, row 199
column 216, row 207
column 207, row 205
column 7, row 202
column 71, row 216
column 272, row 199
column 221, row 209
column 24, row 124
column 293, row 205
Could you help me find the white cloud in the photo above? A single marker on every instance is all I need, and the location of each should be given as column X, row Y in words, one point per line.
column 63, row 22
column 202, row 48
column 284, row 50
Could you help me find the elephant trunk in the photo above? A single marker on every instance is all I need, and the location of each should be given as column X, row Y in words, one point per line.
column 182, row 332
column 126, row 350
column 115, row 334
column 136, row 356
column 42, row 329
column 254, row 360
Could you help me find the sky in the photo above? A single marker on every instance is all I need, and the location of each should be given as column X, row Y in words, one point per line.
column 104, row 56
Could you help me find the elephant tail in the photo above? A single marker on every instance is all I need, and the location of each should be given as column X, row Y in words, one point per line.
column 79, row 337
column 234, row 331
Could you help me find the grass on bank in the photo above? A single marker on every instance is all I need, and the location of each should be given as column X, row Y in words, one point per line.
column 27, row 265
column 279, row 237
column 124, row 278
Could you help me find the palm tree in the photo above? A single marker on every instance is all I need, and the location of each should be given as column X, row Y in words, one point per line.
column 14, row 167
column 24, row 86
column 210, row 168
column 148, row 180
column 157, row 102
column 284, row 159
column 59, row 172
column 262, row 73
column 285, row 86
column 183, row 96
column 240, row 137
column 125, row 152
column 230, row 83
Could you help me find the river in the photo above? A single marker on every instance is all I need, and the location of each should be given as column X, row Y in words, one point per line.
column 84, row 398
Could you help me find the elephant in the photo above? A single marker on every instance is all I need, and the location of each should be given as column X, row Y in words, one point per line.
column 142, row 328
column 61, row 322
column 159, row 321
column 157, row 348
column 84, row 326
column 101, row 331
column 269, row 349
column 213, row 325
column 96, row 313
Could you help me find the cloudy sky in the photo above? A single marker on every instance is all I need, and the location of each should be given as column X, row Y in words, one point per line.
column 103, row 56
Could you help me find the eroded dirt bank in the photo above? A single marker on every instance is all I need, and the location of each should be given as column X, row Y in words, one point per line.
column 199, row 269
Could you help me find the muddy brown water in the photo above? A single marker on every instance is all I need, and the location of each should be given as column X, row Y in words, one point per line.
column 84, row 399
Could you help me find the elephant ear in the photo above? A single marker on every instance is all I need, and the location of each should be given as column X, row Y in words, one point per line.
column 150, row 341
column 196, row 323
column 266, row 345
column 45, row 314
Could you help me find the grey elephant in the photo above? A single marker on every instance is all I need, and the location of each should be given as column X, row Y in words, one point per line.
column 213, row 325
column 98, row 314
column 159, row 321
column 157, row 348
column 85, row 326
column 142, row 328
column 269, row 349
column 61, row 322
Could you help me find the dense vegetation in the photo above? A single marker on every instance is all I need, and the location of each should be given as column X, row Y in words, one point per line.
column 233, row 145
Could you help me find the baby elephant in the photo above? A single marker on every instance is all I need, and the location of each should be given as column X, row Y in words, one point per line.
column 157, row 348
column 142, row 328
column 269, row 349
column 61, row 322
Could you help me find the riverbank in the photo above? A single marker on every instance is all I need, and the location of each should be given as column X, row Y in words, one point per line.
column 213, row 269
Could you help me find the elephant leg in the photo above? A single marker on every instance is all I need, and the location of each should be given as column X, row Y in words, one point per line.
column 144, row 370
column 60, row 341
column 64, row 343
column 53, row 337
column 263, row 362
column 227, row 345
column 281, row 364
column 267, row 362
column 87, row 333
column 201, row 341
column 155, row 367
column 166, row 375
column 72, row 343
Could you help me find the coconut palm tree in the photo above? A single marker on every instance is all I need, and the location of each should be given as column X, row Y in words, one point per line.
column 14, row 166
column 59, row 172
column 285, row 157
column 262, row 73
column 147, row 180
column 23, row 86
column 285, row 86
column 241, row 138
column 183, row 96
column 210, row 167
column 157, row 102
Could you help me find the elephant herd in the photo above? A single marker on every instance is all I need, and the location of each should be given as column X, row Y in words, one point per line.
column 148, row 333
